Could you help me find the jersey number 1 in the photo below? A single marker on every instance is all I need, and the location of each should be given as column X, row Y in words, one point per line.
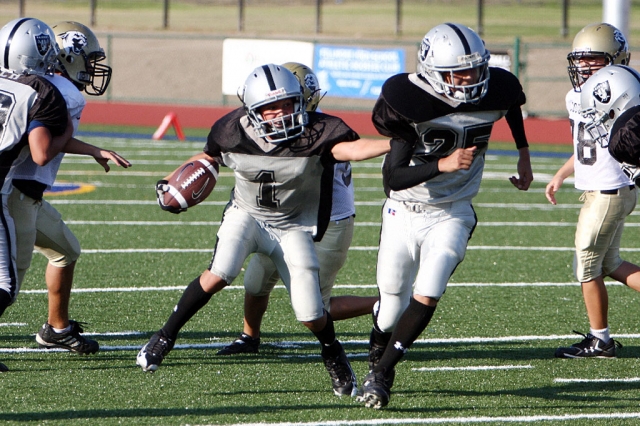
column 267, row 196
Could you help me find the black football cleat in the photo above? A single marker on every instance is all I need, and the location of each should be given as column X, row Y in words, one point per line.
column 375, row 393
column 71, row 340
column 343, row 378
column 152, row 354
column 589, row 347
column 244, row 344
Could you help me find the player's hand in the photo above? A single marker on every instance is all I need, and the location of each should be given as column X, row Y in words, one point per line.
column 162, row 187
column 552, row 188
column 461, row 159
column 105, row 155
column 525, row 174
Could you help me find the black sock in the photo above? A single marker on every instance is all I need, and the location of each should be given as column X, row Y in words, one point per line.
column 192, row 300
column 379, row 338
column 327, row 338
column 412, row 322
column 5, row 301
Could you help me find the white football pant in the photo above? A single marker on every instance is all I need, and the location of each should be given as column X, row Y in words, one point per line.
column 420, row 247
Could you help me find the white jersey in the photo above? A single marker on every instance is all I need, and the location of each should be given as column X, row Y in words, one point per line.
column 594, row 168
column 28, row 170
column 342, row 204
column 343, row 197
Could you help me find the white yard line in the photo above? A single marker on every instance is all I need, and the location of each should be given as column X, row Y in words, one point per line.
column 475, row 368
column 302, row 343
column 281, row 287
column 457, row 420
column 623, row 380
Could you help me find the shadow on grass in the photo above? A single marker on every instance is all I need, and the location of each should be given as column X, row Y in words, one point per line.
column 160, row 413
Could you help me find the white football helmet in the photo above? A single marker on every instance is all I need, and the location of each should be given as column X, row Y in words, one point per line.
column 267, row 84
column 79, row 57
column 605, row 96
column 596, row 41
column 309, row 82
column 450, row 48
column 28, row 47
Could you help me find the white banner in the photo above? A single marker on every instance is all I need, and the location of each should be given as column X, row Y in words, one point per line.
column 241, row 56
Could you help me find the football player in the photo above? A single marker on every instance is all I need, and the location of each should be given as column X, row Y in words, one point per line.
column 35, row 115
column 279, row 153
column 439, row 120
column 38, row 222
column 261, row 276
column 609, row 195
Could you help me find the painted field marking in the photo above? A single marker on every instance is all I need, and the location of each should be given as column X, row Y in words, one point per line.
column 303, row 343
column 456, row 420
column 474, row 368
column 624, row 380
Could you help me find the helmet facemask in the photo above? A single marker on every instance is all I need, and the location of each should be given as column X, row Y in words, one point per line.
column 581, row 66
column 597, row 125
column 281, row 128
column 98, row 75
column 264, row 86
column 445, row 81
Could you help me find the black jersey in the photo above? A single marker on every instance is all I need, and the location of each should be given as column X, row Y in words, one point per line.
column 24, row 100
column 624, row 142
column 425, row 126
column 280, row 184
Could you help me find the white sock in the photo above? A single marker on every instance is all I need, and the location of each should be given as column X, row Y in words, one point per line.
column 62, row 330
column 602, row 334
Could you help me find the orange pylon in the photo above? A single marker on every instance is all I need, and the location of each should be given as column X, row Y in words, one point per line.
column 171, row 119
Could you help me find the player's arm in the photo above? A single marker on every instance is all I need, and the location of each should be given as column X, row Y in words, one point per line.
column 43, row 146
column 554, row 185
column 401, row 175
column 516, row 124
column 361, row 149
column 102, row 156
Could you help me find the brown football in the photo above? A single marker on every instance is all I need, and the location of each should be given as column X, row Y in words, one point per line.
column 191, row 184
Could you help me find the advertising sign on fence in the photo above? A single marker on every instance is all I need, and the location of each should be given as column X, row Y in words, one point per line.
column 241, row 56
column 353, row 72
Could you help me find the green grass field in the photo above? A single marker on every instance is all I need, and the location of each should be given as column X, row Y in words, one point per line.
column 487, row 356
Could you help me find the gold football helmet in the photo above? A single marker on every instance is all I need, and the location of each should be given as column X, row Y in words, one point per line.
column 596, row 41
column 309, row 82
column 79, row 57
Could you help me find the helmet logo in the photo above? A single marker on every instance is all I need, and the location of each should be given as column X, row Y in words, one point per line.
column 619, row 37
column 75, row 41
column 311, row 83
column 424, row 48
column 43, row 43
column 602, row 92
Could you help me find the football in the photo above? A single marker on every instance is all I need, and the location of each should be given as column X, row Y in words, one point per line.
column 190, row 184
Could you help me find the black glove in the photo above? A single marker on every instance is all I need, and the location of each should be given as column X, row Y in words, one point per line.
column 161, row 188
